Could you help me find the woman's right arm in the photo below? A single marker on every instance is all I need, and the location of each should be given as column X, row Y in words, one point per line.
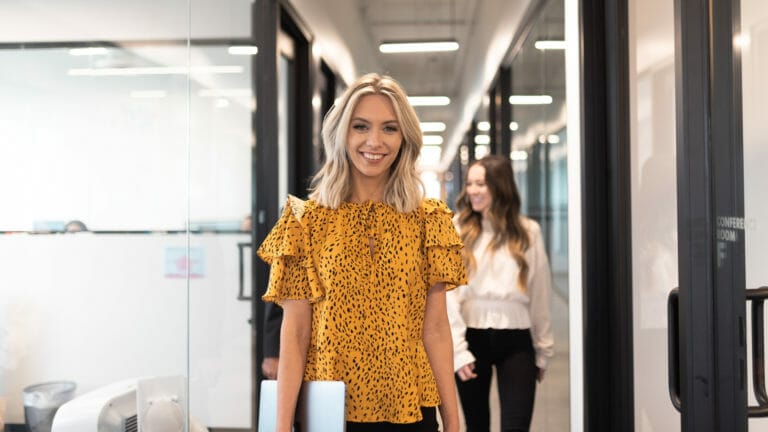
column 295, row 333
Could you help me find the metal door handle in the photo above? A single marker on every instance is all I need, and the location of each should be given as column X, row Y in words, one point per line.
column 757, row 296
column 673, row 347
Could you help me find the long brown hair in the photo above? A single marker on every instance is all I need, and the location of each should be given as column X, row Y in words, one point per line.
column 504, row 215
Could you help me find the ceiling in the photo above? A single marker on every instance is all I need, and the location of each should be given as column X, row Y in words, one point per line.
column 484, row 30
column 346, row 34
column 423, row 74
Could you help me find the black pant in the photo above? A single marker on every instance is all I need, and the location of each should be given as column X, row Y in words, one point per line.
column 511, row 352
column 428, row 423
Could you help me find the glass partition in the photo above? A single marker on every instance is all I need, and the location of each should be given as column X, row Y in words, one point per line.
column 654, row 205
column 134, row 119
column 539, row 159
column 538, row 128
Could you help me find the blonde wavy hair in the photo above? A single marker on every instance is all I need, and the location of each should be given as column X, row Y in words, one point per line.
column 404, row 190
column 504, row 215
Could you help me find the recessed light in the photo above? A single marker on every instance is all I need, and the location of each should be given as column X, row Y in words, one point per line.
column 519, row 155
column 418, row 47
column 243, row 50
column 482, row 151
column 549, row 45
column 429, row 100
column 530, row 99
column 158, row 70
column 482, row 139
column 432, row 140
column 432, row 126
column 484, row 126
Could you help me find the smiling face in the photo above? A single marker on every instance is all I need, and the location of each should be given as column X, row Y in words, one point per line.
column 477, row 190
column 374, row 138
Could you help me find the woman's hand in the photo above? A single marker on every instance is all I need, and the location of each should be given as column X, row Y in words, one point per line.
column 269, row 367
column 467, row 372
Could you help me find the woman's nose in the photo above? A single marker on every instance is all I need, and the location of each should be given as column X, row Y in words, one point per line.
column 374, row 137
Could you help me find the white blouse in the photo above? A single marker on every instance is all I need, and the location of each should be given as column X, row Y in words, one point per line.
column 493, row 300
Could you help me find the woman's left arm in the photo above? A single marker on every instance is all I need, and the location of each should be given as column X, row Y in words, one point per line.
column 540, row 288
column 439, row 346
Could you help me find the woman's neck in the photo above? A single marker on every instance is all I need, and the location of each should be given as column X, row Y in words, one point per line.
column 362, row 190
column 486, row 224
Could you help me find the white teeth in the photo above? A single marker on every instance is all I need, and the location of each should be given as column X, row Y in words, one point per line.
column 372, row 156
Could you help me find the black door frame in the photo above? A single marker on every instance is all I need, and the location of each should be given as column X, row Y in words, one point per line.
column 710, row 187
column 710, row 195
column 606, row 250
column 268, row 18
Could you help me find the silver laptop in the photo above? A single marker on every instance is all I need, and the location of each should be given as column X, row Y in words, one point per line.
column 320, row 407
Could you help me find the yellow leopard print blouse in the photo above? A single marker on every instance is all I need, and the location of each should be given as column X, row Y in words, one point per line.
column 368, row 296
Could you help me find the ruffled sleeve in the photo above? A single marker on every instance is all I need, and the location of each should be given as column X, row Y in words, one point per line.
column 286, row 249
column 443, row 246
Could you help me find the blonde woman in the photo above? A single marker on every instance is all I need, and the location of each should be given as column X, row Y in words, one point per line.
column 361, row 271
column 501, row 318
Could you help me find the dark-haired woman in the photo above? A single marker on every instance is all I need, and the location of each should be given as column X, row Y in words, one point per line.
column 501, row 318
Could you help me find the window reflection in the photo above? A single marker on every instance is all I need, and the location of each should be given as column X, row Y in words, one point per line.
column 95, row 133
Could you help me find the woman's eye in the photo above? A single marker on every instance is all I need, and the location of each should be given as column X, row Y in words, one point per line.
column 390, row 129
column 359, row 127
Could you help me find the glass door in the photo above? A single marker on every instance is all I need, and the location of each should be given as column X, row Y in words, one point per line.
column 698, row 128
column 654, row 205
column 752, row 43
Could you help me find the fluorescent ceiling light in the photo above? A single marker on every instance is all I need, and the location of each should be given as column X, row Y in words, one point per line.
column 429, row 100
column 243, row 50
column 482, row 139
column 418, row 47
column 530, row 99
column 513, row 126
column 519, row 155
column 432, row 126
column 88, row 51
column 484, row 126
column 158, row 70
column 482, row 151
column 149, row 94
column 432, row 140
column 549, row 45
